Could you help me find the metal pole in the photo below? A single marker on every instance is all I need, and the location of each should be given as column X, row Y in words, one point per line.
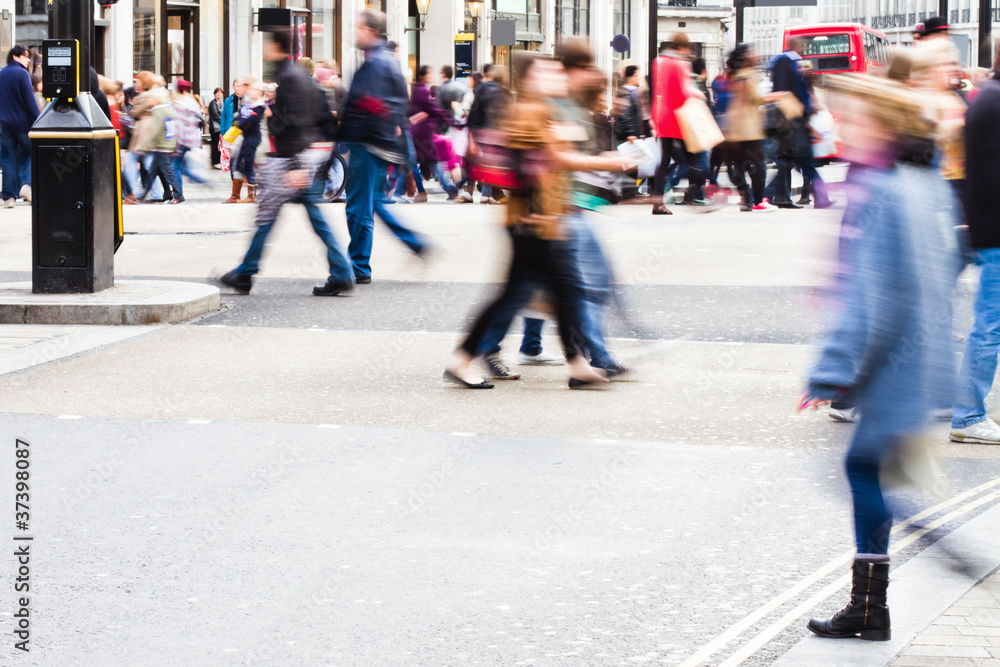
column 653, row 35
column 986, row 34
column 739, row 21
column 943, row 9
column 74, row 19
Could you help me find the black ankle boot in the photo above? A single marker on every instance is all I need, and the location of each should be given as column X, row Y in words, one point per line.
column 866, row 614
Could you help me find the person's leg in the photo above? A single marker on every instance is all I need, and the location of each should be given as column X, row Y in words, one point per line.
column 531, row 342
column 697, row 171
column 444, row 178
column 8, row 158
column 24, row 160
column 872, row 518
column 754, row 157
column 519, row 296
column 274, row 195
column 361, row 181
column 595, row 272
column 679, row 166
column 340, row 267
column 497, row 316
column 178, row 169
column 979, row 362
column 663, row 168
column 409, row 237
column 740, row 169
column 167, row 173
column 401, row 174
column 557, row 262
column 216, row 153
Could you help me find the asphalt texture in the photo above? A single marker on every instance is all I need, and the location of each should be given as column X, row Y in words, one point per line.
column 289, row 482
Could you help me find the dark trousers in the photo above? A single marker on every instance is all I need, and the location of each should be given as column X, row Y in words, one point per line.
column 673, row 162
column 161, row 165
column 216, row 153
column 796, row 151
column 747, row 159
column 536, row 261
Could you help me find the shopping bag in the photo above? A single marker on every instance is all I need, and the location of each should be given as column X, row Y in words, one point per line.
column 698, row 127
column 646, row 153
column 232, row 134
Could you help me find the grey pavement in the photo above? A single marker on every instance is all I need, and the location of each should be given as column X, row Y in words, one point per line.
column 288, row 481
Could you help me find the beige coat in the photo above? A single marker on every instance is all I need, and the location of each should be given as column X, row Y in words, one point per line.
column 745, row 122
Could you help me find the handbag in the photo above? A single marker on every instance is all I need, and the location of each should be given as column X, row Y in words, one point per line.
column 496, row 164
column 698, row 127
column 232, row 134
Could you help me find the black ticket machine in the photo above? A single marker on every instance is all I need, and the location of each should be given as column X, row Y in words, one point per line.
column 76, row 215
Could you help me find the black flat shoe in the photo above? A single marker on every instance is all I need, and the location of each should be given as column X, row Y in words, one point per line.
column 451, row 377
column 362, row 280
column 788, row 204
column 332, row 288
column 661, row 209
column 587, row 384
column 238, row 282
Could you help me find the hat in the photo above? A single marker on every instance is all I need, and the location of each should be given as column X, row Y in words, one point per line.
column 934, row 24
column 183, row 86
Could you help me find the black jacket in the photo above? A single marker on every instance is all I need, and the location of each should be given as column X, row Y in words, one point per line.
column 982, row 167
column 628, row 117
column 294, row 115
column 489, row 106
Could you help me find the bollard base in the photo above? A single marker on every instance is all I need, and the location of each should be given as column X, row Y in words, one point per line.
column 129, row 302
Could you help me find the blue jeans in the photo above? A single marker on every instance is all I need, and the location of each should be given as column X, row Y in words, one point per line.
column 531, row 343
column 596, row 272
column 444, row 178
column 409, row 168
column 15, row 160
column 365, row 199
column 872, row 516
column 340, row 267
column 979, row 363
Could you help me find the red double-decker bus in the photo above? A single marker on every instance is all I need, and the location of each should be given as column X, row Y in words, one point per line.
column 841, row 47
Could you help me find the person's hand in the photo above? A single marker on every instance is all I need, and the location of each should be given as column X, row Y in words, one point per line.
column 631, row 139
column 805, row 402
column 455, row 105
column 418, row 117
column 297, row 179
column 267, row 112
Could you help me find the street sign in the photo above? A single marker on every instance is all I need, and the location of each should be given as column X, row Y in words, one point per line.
column 503, row 32
column 463, row 58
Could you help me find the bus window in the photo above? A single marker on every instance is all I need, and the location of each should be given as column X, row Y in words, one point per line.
column 826, row 45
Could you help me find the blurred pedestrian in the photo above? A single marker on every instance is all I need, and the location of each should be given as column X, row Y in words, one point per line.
column 154, row 138
column 215, row 125
column 250, row 121
column 188, row 120
column 970, row 418
column 796, row 144
column 744, row 125
column 373, row 125
column 537, row 222
column 627, row 110
column 427, row 118
column 18, row 112
column 891, row 342
column 291, row 175
column 672, row 87
column 492, row 102
column 230, row 151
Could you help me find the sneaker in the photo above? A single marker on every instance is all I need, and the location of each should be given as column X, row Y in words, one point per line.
column 985, row 432
column 420, row 198
column 402, row 199
column 848, row 415
column 499, row 370
column 615, row 370
column 26, row 193
column 765, row 206
column 540, row 359
column 9, row 203
column 237, row 281
column 362, row 280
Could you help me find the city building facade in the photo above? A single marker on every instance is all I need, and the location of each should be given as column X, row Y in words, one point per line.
column 210, row 42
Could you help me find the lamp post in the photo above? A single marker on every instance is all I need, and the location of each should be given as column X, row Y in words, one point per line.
column 423, row 7
column 475, row 11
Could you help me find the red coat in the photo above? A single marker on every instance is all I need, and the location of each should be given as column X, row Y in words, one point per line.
column 671, row 88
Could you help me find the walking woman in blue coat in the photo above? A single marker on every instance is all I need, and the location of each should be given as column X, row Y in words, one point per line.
column 891, row 343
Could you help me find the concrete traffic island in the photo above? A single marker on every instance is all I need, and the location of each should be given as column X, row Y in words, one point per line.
column 129, row 302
